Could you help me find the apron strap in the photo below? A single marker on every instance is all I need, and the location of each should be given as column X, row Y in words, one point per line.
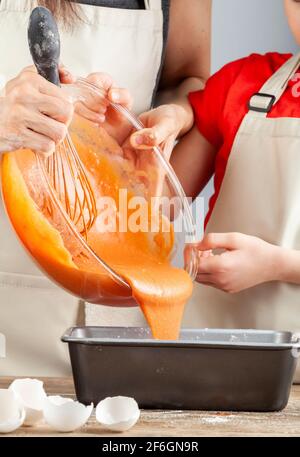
column 154, row 5
column 261, row 103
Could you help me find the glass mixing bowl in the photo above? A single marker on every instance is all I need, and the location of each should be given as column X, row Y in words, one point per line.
column 87, row 266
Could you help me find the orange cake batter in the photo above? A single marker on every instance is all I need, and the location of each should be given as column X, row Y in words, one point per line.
column 142, row 259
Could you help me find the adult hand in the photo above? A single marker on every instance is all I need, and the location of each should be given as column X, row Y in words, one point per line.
column 34, row 114
column 161, row 124
column 246, row 261
column 97, row 108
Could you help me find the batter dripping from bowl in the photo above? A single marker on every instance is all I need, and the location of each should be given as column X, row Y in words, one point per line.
column 141, row 258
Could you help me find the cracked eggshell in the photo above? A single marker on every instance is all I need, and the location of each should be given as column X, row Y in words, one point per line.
column 118, row 413
column 31, row 395
column 12, row 415
column 65, row 414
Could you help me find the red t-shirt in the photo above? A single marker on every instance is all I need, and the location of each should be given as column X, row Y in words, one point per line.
column 222, row 105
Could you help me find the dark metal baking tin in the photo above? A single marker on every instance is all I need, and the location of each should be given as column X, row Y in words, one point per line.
column 229, row 370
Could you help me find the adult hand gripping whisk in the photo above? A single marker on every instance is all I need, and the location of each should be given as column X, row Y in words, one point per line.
column 64, row 171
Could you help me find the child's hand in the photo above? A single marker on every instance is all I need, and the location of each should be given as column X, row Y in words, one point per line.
column 246, row 262
column 161, row 124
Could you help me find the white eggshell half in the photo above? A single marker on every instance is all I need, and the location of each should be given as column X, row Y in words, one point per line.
column 118, row 413
column 12, row 415
column 65, row 414
column 31, row 395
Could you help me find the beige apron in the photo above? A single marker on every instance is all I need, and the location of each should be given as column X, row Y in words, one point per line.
column 260, row 196
column 128, row 45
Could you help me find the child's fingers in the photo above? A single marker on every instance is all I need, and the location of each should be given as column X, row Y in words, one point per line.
column 144, row 139
column 192, row 249
column 206, row 280
column 210, row 265
column 228, row 241
column 154, row 136
column 204, row 254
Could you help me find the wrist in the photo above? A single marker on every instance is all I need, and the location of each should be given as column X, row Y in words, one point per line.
column 184, row 117
column 275, row 264
column 282, row 264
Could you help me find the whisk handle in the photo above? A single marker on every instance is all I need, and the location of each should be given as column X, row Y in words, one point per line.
column 44, row 43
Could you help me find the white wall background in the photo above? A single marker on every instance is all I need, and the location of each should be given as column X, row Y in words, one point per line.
column 241, row 27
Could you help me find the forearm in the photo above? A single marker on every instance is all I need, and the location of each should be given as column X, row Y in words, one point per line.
column 193, row 160
column 178, row 97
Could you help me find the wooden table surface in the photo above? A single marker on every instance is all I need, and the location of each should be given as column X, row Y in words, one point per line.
column 180, row 423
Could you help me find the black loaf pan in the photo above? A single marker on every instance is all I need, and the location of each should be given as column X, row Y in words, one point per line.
column 233, row 370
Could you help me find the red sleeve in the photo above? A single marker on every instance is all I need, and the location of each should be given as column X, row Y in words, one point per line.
column 209, row 103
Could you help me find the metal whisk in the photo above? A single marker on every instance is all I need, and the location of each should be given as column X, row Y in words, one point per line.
column 64, row 171
column 67, row 176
